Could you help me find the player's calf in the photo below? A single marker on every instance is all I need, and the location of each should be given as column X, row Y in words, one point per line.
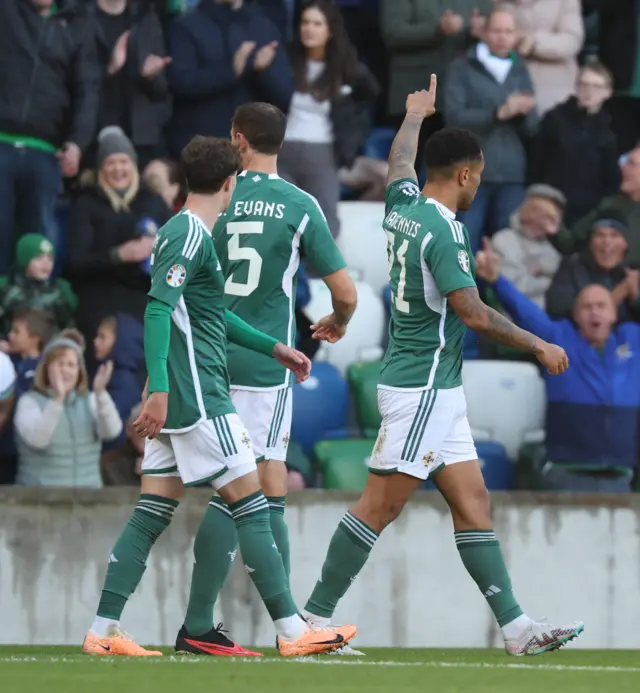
column 463, row 487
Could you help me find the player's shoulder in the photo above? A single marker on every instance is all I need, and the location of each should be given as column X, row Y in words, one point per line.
column 304, row 200
column 185, row 231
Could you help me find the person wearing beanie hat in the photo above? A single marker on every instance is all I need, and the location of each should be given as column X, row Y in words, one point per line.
column 603, row 261
column 112, row 140
column 30, row 285
column 112, row 227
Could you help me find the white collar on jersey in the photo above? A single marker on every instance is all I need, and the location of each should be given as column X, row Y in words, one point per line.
column 272, row 176
column 444, row 210
column 198, row 221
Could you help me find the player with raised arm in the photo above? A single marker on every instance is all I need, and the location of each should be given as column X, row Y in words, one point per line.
column 193, row 432
column 259, row 240
column 425, row 431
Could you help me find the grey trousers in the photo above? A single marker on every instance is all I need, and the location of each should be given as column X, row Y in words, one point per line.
column 311, row 166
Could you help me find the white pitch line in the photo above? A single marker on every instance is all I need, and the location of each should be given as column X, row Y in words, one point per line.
column 171, row 659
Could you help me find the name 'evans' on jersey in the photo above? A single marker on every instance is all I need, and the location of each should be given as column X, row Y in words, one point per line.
column 429, row 257
column 259, row 241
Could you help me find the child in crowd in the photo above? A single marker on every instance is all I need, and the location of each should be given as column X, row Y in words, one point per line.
column 31, row 331
column 30, row 285
column 119, row 340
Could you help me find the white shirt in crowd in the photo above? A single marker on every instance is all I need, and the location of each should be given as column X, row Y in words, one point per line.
column 309, row 120
column 7, row 376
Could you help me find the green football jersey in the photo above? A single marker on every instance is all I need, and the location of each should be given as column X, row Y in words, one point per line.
column 429, row 257
column 186, row 274
column 268, row 226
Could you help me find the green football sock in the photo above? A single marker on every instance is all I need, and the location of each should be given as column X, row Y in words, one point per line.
column 482, row 557
column 261, row 557
column 348, row 552
column 127, row 563
column 280, row 530
column 214, row 550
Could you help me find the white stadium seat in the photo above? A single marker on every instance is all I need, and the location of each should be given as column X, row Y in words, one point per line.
column 506, row 402
column 363, row 242
column 365, row 331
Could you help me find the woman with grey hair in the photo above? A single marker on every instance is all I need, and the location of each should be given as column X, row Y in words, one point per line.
column 60, row 424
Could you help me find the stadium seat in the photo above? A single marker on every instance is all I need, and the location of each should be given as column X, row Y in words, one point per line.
column 363, row 242
column 471, row 350
column 363, row 378
column 366, row 329
column 386, row 298
column 343, row 463
column 378, row 144
column 320, row 407
column 498, row 470
column 506, row 401
column 532, row 457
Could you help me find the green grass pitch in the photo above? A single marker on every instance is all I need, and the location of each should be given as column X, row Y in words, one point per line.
column 65, row 670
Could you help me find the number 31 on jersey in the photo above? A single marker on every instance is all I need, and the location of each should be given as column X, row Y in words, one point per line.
column 398, row 298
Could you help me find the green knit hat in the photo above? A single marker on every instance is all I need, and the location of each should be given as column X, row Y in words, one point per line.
column 31, row 245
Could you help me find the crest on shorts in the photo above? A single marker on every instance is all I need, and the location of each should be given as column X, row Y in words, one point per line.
column 176, row 276
column 463, row 260
column 245, row 439
column 285, row 439
column 428, row 458
column 382, row 436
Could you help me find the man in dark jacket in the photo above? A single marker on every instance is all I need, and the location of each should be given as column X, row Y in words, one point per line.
column 224, row 53
column 592, row 409
column 489, row 91
column 133, row 56
column 576, row 149
column 619, row 50
column 49, row 95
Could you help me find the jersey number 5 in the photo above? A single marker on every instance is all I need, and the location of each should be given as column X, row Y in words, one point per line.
column 237, row 254
column 398, row 298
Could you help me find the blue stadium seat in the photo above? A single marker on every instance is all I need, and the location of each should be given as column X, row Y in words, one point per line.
column 320, row 407
column 498, row 470
column 471, row 350
column 386, row 298
column 378, row 143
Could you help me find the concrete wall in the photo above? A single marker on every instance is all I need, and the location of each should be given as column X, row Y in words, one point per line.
column 570, row 559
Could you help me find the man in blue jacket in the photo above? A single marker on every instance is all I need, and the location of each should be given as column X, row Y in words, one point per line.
column 224, row 53
column 592, row 409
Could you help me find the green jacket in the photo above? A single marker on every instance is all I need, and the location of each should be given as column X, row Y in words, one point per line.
column 18, row 291
column 569, row 241
column 417, row 47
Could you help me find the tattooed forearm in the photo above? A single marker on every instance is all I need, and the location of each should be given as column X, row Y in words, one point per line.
column 479, row 317
column 404, row 149
column 503, row 331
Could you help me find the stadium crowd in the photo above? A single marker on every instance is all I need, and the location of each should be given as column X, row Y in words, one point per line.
column 98, row 97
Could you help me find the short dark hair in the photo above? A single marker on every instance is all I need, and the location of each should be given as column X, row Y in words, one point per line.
column 262, row 124
column 449, row 148
column 207, row 162
column 39, row 323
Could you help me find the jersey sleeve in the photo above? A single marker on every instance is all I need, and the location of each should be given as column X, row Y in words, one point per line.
column 448, row 260
column 7, row 377
column 175, row 259
column 318, row 245
column 400, row 192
